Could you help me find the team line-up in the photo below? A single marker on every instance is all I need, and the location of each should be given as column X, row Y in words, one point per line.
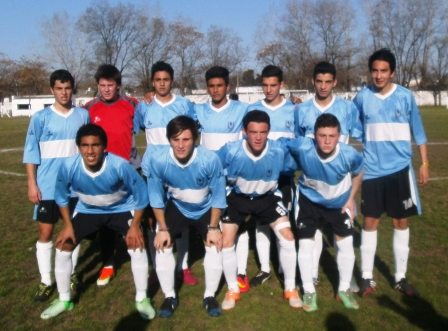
column 83, row 167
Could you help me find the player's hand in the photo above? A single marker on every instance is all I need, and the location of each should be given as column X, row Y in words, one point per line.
column 162, row 240
column 350, row 209
column 214, row 237
column 34, row 194
column 424, row 174
column 134, row 238
column 66, row 235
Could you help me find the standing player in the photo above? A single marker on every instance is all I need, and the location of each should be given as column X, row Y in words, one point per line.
column 111, row 194
column 50, row 139
column 390, row 119
column 331, row 176
column 253, row 166
column 186, row 189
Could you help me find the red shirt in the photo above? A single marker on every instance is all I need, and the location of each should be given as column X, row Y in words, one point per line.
column 117, row 119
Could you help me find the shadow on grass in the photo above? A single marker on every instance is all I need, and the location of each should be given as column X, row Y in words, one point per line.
column 418, row 312
column 132, row 322
column 337, row 321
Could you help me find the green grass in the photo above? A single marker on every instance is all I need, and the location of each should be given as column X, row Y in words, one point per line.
column 112, row 308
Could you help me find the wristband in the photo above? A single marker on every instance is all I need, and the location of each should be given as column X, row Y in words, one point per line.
column 213, row 228
column 163, row 230
column 425, row 164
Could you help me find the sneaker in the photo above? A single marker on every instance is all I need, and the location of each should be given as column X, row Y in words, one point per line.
column 230, row 300
column 167, row 308
column 315, row 281
column 212, row 307
column 188, row 278
column 348, row 299
column 243, row 283
column 106, row 274
column 145, row 309
column 57, row 307
column 260, row 278
column 293, row 297
column 309, row 302
column 368, row 286
column 404, row 287
column 43, row 292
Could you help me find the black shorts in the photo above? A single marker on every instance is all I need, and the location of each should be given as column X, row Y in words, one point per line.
column 312, row 217
column 177, row 222
column 264, row 209
column 47, row 211
column 395, row 194
column 287, row 187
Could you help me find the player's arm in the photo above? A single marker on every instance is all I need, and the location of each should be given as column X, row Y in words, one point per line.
column 351, row 203
column 67, row 233
column 163, row 238
column 134, row 237
column 424, row 167
column 214, row 235
column 34, row 194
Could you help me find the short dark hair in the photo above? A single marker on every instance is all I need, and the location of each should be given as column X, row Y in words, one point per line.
column 108, row 71
column 162, row 66
column 91, row 129
column 179, row 124
column 272, row 71
column 217, row 72
column 63, row 76
column 383, row 54
column 327, row 120
column 324, row 67
column 257, row 116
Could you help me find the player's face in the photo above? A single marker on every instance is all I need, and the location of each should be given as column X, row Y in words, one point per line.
column 271, row 88
column 326, row 138
column 323, row 85
column 92, row 152
column 182, row 145
column 62, row 93
column 108, row 89
column 162, row 83
column 256, row 137
column 381, row 75
column 217, row 89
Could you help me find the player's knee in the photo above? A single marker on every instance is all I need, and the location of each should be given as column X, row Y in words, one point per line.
column 401, row 224
column 66, row 247
column 228, row 242
column 283, row 232
column 370, row 224
column 45, row 232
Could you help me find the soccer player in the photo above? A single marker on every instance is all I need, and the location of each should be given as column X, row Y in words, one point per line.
column 253, row 166
column 49, row 140
column 186, row 189
column 325, row 102
column 331, row 177
column 114, row 112
column 390, row 120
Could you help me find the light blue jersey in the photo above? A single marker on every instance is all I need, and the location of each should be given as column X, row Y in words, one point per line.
column 194, row 187
column 220, row 125
column 49, row 141
column 344, row 110
column 154, row 117
column 282, row 117
column 389, row 123
column 327, row 182
column 255, row 175
column 115, row 188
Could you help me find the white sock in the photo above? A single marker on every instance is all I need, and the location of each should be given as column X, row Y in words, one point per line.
column 242, row 252
column 401, row 252
column 305, row 259
column 229, row 261
column 345, row 259
column 43, row 255
column 62, row 272
column 263, row 243
column 317, row 251
column 182, row 244
column 139, row 266
column 288, row 259
column 75, row 255
column 368, row 249
column 213, row 270
column 165, row 271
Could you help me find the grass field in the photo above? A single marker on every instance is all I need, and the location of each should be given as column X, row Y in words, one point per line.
column 112, row 308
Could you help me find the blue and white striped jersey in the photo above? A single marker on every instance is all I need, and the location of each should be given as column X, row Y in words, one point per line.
column 194, row 187
column 49, row 140
column 389, row 123
column 115, row 188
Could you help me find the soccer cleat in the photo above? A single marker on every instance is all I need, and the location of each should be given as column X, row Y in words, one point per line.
column 57, row 307
column 188, row 278
column 348, row 299
column 106, row 274
column 368, row 286
column 145, row 309
column 404, row 287
column 43, row 292
column 212, row 307
column 230, row 300
column 260, row 278
column 167, row 308
column 293, row 298
column 309, row 302
column 243, row 283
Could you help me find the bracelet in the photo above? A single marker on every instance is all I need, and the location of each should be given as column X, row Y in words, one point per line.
column 214, row 228
column 425, row 164
column 163, row 230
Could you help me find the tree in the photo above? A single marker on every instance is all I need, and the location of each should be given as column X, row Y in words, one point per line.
column 31, row 77
column 8, row 82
